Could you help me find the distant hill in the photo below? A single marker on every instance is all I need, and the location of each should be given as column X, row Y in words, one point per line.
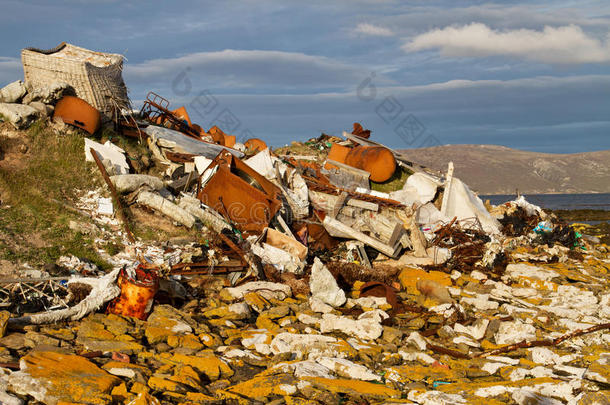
column 492, row 169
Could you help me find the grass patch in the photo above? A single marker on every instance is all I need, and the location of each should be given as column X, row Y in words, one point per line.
column 33, row 219
column 394, row 183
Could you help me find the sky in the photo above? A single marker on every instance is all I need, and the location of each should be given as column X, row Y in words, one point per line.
column 532, row 75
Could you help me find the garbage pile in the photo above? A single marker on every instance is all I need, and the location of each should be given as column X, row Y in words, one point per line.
column 312, row 286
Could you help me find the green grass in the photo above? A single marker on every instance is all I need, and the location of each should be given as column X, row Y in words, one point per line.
column 33, row 218
column 394, row 183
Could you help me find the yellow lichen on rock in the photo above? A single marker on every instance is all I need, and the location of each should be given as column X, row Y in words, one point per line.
column 51, row 377
column 354, row 387
column 409, row 276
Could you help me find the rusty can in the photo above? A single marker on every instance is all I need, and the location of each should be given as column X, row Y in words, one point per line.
column 137, row 294
column 377, row 160
column 255, row 145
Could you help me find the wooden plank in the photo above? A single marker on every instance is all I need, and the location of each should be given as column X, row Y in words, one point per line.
column 347, row 177
column 335, row 227
column 363, row 204
column 447, row 190
column 364, row 259
column 338, row 205
column 115, row 195
column 285, row 227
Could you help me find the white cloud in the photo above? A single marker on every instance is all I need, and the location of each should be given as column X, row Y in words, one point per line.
column 248, row 68
column 373, row 30
column 10, row 70
column 560, row 45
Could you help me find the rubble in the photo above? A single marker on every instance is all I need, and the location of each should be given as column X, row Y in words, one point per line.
column 305, row 283
column 13, row 92
column 19, row 115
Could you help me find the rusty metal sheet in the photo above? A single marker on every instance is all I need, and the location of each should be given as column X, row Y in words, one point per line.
column 77, row 112
column 241, row 194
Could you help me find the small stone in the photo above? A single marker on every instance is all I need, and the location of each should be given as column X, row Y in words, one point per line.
column 256, row 302
column 364, row 328
column 13, row 92
column 4, row 317
column 43, row 109
column 348, row 369
column 19, row 115
column 410, row 276
column 34, row 339
column 266, row 289
column 417, row 341
column 162, row 384
column 391, row 335
column 13, row 341
column 317, row 305
column 188, row 341
column 163, row 322
column 354, row 387
column 323, row 285
column 514, row 332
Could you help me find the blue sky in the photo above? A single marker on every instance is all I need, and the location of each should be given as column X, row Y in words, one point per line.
column 531, row 75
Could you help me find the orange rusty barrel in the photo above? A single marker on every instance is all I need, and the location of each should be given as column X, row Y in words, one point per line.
column 76, row 111
column 338, row 153
column 377, row 160
column 229, row 140
column 255, row 145
column 137, row 293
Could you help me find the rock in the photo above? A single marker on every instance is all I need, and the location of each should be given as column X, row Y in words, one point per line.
column 598, row 372
column 267, row 290
column 188, row 341
column 410, row 276
column 21, row 116
column 434, row 290
column 417, row 340
column 4, row 317
column 305, row 368
column 127, row 370
column 368, row 303
column 161, row 384
column 13, row 92
column 126, row 183
column 5, row 397
column 261, row 386
column 311, row 346
column 256, row 302
column 34, row 339
column 237, row 311
column 205, row 362
column 323, row 285
column 107, row 346
column 480, row 302
column 317, row 305
column 13, row 341
column 52, row 377
column 348, row 369
column 165, row 321
column 43, row 109
column 49, row 94
column 354, row 387
column 366, row 328
column 476, row 331
column 514, row 332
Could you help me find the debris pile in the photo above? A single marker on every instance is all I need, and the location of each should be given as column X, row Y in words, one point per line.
column 330, row 271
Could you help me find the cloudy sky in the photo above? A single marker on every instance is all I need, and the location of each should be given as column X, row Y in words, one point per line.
column 533, row 75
